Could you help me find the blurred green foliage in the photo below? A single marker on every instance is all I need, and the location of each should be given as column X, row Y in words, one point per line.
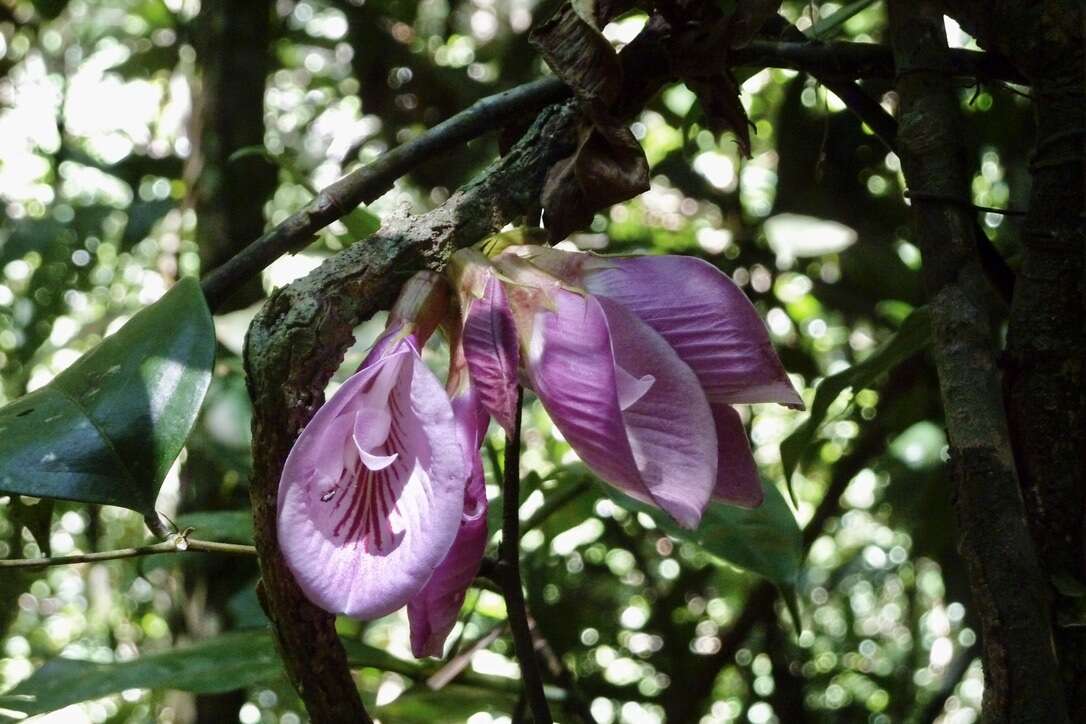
column 99, row 152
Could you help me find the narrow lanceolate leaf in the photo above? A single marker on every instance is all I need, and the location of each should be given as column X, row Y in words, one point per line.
column 229, row 526
column 766, row 540
column 107, row 429
column 227, row 662
column 914, row 336
column 828, row 27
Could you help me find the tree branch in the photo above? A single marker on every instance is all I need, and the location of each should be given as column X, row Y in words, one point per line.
column 371, row 181
column 179, row 543
column 1021, row 677
column 832, row 63
column 864, row 60
column 509, row 573
column 885, row 128
column 575, row 703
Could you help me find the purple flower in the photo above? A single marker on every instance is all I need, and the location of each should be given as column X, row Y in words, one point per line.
column 616, row 390
column 713, row 328
column 372, row 494
column 382, row 501
column 638, row 360
column 432, row 612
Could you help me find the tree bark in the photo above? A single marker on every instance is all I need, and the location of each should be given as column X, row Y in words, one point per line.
column 228, row 196
column 1046, row 337
column 233, row 41
column 1009, row 591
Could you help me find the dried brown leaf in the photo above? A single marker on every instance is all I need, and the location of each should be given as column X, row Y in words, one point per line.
column 579, row 54
column 608, row 167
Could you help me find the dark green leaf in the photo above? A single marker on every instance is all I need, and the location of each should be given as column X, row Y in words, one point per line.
column 107, row 429
column 231, row 526
column 766, row 540
column 50, row 9
column 828, row 27
column 913, row 336
column 361, row 223
column 361, row 655
column 142, row 217
column 227, row 662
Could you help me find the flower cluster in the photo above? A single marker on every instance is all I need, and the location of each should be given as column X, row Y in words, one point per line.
column 638, row 361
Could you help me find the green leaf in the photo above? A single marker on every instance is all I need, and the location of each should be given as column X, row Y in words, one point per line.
column 452, row 703
column 911, row 338
column 231, row 526
column 361, row 655
column 227, row 662
column 107, row 429
column 361, row 223
column 224, row 663
column 828, row 27
column 766, row 540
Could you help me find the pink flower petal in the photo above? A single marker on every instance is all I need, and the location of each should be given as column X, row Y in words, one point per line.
column 489, row 339
column 704, row 316
column 361, row 541
column 668, row 420
column 698, row 310
column 737, row 481
column 432, row 613
column 661, row 448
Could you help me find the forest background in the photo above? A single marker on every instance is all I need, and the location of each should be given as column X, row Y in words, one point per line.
column 897, row 186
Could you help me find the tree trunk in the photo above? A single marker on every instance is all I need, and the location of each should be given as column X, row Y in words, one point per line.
column 1009, row 591
column 1046, row 337
column 228, row 197
column 233, row 41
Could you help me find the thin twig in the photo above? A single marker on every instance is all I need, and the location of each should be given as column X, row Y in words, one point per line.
column 562, row 676
column 454, row 666
column 179, row 543
column 555, row 502
column 838, row 61
column 510, row 576
column 863, row 60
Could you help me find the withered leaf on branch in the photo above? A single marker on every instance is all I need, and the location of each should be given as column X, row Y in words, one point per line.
column 575, row 49
column 609, row 165
column 701, row 55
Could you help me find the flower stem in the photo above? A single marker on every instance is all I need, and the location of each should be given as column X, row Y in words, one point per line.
column 510, row 576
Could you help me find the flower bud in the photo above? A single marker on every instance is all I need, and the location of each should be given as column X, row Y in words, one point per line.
column 422, row 303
